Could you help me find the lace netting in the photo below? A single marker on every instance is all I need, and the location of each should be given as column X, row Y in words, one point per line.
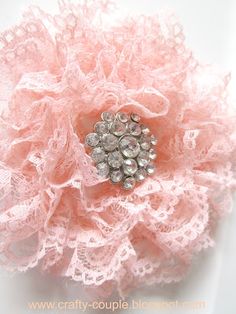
column 58, row 73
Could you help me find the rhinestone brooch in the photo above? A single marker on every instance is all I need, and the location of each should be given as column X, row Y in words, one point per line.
column 122, row 148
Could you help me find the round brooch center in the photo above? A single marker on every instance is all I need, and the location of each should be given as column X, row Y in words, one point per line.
column 122, row 148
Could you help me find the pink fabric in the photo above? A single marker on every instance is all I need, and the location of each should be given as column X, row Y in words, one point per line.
column 58, row 73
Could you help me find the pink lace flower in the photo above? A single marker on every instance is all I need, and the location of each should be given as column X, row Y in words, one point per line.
column 58, row 73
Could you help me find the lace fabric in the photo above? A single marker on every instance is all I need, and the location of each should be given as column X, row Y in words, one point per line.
column 58, row 73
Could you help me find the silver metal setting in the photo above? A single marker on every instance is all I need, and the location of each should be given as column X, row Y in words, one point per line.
column 122, row 148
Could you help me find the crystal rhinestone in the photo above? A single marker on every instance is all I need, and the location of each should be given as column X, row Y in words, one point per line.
column 143, row 158
column 101, row 127
column 152, row 154
column 141, row 174
column 122, row 148
column 103, row 169
column 116, row 176
column 109, row 142
column 118, row 128
column 134, row 129
column 145, row 129
column 107, row 116
column 130, row 166
column 98, row 154
column 145, row 142
column 150, row 168
column 115, row 159
column 129, row 183
column 135, row 117
column 92, row 139
column 153, row 140
column 123, row 117
column 129, row 146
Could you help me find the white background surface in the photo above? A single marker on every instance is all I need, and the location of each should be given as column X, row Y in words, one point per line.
column 210, row 29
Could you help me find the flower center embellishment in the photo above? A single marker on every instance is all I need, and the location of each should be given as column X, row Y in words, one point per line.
column 123, row 149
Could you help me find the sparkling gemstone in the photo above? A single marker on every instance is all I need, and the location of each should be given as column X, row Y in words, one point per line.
column 122, row 148
column 107, row 116
column 145, row 142
column 152, row 154
column 123, row 117
column 116, row 176
column 134, row 129
column 129, row 183
column 141, row 174
column 145, row 129
column 103, row 169
column 129, row 146
column 135, row 117
column 130, row 166
column 98, row 154
column 92, row 139
column 118, row 128
column 150, row 168
column 101, row 127
column 153, row 140
column 143, row 158
column 115, row 159
column 109, row 142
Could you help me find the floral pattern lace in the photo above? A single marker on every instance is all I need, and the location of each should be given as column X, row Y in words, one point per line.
column 58, row 73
